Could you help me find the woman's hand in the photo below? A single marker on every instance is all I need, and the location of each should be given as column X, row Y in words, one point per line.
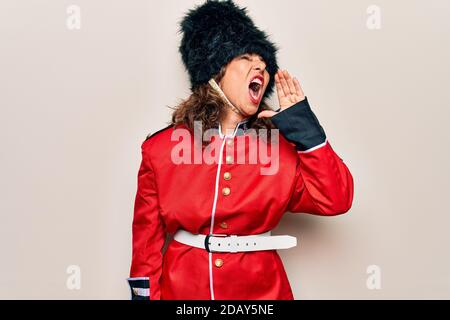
column 289, row 93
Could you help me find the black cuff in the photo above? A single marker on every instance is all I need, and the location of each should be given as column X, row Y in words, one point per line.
column 299, row 125
column 140, row 288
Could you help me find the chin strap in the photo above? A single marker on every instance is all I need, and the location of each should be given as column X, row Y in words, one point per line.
column 214, row 84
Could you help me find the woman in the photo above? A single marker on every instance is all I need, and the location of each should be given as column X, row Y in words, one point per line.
column 221, row 210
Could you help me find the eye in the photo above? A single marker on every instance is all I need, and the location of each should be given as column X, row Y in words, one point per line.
column 245, row 57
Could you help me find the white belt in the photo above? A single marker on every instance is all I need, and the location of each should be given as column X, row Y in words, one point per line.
column 234, row 243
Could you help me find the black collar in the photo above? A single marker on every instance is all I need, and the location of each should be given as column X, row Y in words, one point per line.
column 239, row 129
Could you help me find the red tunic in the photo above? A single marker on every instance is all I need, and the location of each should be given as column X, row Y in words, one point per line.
column 310, row 178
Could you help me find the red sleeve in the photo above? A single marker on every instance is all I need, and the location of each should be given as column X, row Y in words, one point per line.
column 148, row 234
column 323, row 183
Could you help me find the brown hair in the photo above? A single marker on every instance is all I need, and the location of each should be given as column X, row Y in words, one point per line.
column 206, row 105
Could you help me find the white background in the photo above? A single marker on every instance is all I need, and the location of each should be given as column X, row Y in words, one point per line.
column 75, row 106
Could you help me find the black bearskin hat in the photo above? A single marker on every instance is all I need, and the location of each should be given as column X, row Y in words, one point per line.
column 216, row 32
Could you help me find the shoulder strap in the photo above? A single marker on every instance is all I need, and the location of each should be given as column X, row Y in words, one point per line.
column 154, row 133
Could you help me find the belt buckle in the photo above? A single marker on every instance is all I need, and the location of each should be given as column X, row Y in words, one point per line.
column 213, row 235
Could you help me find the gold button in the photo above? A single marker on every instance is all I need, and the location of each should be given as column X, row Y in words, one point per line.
column 227, row 176
column 226, row 191
column 229, row 159
column 229, row 142
column 224, row 225
column 218, row 263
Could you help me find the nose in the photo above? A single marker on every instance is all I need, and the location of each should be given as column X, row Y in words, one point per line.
column 259, row 64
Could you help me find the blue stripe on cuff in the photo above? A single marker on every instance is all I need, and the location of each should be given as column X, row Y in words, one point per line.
column 138, row 285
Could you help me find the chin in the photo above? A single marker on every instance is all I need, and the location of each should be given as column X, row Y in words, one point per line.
column 250, row 109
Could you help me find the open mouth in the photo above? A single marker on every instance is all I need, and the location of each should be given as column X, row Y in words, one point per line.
column 255, row 89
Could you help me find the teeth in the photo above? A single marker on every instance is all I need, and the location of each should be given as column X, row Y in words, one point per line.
column 257, row 80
